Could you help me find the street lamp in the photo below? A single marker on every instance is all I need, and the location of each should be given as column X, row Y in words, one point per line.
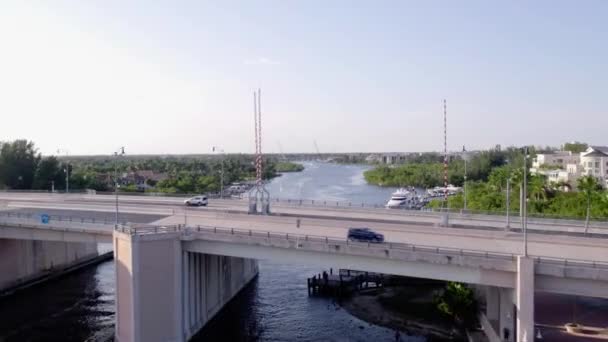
column 465, row 156
column 525, row 200
column 220, row 150
column 118, row 153
column 66, row 170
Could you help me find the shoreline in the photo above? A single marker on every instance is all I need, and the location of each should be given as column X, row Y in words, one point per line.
column 366, row 305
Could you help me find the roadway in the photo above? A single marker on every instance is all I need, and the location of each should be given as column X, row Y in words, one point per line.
column 397, row 226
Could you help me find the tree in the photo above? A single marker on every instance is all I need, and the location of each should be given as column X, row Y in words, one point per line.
column 49, row 171
column 458, row 302
column 575, row 147
column 18, row 162
column 589, row 188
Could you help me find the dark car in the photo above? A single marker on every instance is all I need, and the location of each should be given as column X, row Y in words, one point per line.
column 364, row 235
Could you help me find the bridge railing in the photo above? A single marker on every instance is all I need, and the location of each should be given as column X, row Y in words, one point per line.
column 395, row 246
column 20, row 216
column 492, row 215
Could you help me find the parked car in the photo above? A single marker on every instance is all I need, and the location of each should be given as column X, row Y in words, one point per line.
column 197, row 201
column 364, row 235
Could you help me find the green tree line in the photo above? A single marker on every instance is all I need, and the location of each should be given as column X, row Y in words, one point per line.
column 428, row 171
column 544, row 199
column 23, row 168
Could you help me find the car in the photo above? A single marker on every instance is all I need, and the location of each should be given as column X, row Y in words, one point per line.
column 197, row 201
column 364, row 235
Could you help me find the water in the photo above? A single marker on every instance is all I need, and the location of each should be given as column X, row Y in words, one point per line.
column 331, row 182
column 275, row 307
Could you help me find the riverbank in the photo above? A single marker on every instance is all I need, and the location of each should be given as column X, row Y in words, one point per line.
column 408, row 309
column 282, row 167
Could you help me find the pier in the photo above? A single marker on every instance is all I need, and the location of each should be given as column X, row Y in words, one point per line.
column 343, row 283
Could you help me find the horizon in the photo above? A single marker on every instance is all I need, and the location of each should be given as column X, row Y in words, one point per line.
column 174, row 80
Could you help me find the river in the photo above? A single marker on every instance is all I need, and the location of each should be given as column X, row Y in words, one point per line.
column 275, row 307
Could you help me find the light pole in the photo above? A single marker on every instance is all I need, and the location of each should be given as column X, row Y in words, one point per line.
column 66, row 170
column 508, row 202
column 118, row 153
column 525, row 200
column 220, row 150
column 465, row 157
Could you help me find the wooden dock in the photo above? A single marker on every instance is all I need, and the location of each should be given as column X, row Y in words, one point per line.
column 343, row 283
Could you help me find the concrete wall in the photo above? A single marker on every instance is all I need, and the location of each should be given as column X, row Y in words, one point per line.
column 164, row 293
column 22, row 261
column 213, row 281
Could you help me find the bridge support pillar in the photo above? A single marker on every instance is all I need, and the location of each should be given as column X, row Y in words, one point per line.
column 148, row 287
column 525, row 299
column 506, row 319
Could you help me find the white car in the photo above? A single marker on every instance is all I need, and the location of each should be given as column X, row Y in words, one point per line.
column 196, row 201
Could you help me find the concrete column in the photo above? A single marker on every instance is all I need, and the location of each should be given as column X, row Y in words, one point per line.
column 493, row 305
column 191, row 290
column 506, row 322
column 148, row 287
column 525, row 299
column 185, row 293
column 197, row 272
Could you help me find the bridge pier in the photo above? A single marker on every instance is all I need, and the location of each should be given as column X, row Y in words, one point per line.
column 167, row 293
column 509, row 315
column 148, row 287
column 525, row 299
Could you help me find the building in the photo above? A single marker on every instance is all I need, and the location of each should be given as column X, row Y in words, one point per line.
column 558, row 159
column 594, row 162
column 567, row 167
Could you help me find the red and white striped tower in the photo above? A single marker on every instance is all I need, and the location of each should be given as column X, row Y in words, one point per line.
column 258, row 135
column 445, row 151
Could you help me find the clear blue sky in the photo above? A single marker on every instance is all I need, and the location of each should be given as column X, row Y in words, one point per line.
column 177, row 77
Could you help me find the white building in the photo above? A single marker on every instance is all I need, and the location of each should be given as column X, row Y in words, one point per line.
column 594, row 162
column 566, row 167
column 558, row 159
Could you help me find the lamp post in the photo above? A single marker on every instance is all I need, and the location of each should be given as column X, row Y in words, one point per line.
column 525, row 202
column 508, row 203
column 220, row 150
column 118, row 153
column 465, row 157
column 66, row 170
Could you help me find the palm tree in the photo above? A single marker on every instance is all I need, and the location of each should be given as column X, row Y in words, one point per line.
column 537, row 187
column 589, row 187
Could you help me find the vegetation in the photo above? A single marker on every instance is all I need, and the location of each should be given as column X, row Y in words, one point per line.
column 288, row 167
column 427, row 171
column 22, row 167
column 458, row 303
column 543, row 198
column 575, row 147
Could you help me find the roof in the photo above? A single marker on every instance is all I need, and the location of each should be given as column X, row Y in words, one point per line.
column 603, row 149
column 594, row 151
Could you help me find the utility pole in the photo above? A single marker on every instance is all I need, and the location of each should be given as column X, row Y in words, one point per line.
column 221, row 150
column 508, row 203
column 66, row 169
column 118, row 153
column 525, row 199
column 465, row 157
column 445, row 215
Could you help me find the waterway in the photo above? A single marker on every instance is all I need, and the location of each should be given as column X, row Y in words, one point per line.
column 275, row 307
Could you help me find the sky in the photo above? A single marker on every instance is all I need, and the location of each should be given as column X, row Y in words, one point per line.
column 171, row 77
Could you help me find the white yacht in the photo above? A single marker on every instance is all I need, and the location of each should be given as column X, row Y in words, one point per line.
column 403, row 198
column 439, row 191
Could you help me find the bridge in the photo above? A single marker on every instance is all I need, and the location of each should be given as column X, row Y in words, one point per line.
column 180, row 268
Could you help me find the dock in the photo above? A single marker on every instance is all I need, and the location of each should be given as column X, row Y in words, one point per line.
column 343, row 283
